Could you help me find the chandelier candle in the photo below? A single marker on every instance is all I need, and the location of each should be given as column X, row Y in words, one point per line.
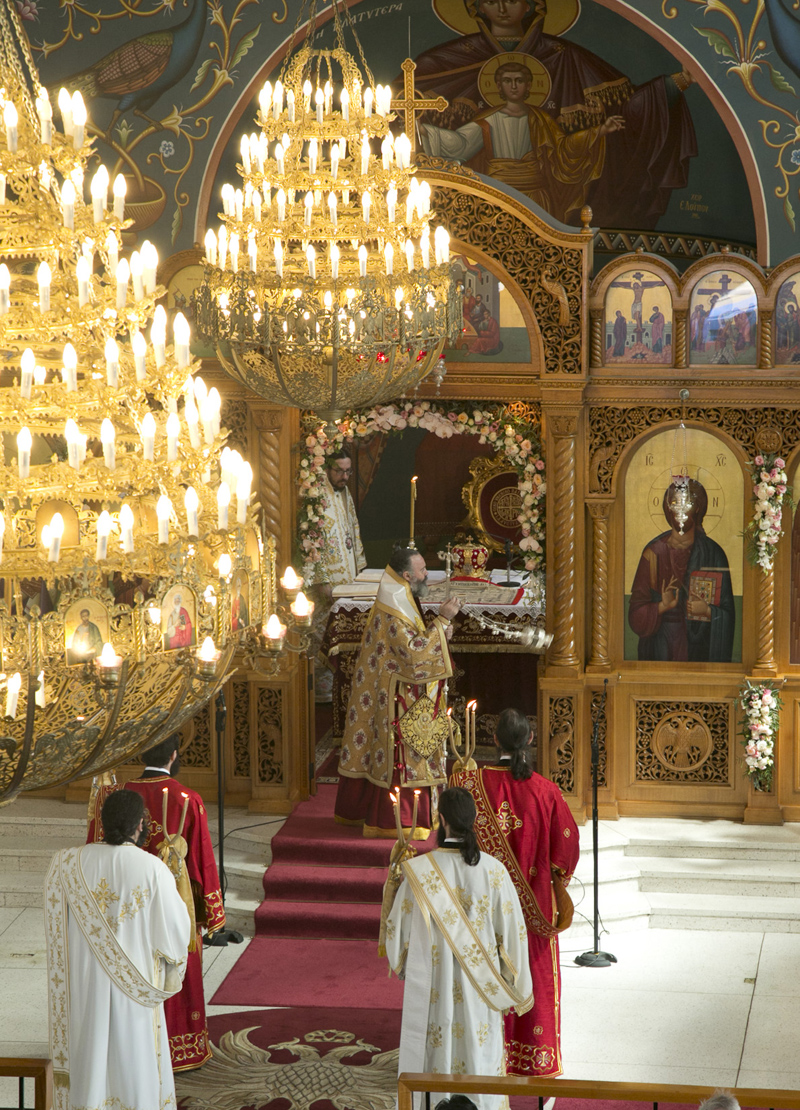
column 103, row 532
column 164, row 513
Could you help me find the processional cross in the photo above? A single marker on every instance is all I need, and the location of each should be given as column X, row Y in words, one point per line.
column 412, row 105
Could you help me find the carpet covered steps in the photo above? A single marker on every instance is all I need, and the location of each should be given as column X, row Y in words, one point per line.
column 321, row 840
column 324, row 884
column 342, row 920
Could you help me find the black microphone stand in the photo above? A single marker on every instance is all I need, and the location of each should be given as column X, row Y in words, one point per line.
column 224, row 936
column 596, row 958
column 509, row 561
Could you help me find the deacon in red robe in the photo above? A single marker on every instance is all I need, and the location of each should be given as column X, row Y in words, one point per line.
column 185, row 1011
column 524, row 822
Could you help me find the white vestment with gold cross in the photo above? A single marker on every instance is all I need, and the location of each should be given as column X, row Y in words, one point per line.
column 117, row 937
column 457, row 934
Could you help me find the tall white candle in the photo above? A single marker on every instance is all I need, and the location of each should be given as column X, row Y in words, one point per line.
column 210, row 243
column 73, row 438
column 173, row 434
column 192, row 422
column 68, row 205
column 24, row 441
column 191, row 503
column 44, row 111
column 65, row 108
column 11, row 119
column 112, row 362
column 99, row 191
column 27, row 365
column 112, row 251
column 12, row 694
column 137, row 271
column 335, row 255
column 70, row 360
column 362, row 261
column 79, row 118
column 120, row 189
column 43, row 277
column 148, row 435
column 126, row 527
column 103, row 532
column 158, row 335
column 123, row 277
column 83, row 272
column 56, row 534
column 223, row 500
column 163, row 512
column 182, row 334
column 108, row 439
column 345, row 100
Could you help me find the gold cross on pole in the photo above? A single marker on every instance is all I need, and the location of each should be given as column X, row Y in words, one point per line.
column 411, row 105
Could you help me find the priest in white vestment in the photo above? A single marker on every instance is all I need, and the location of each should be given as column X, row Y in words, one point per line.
column 456, row 933
column 341, row 557
column 117, row 936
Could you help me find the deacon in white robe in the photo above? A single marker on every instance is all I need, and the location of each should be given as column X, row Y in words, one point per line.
column 456, row 933
column 117, row 940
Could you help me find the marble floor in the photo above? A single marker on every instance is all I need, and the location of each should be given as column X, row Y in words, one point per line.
column 707, row 1008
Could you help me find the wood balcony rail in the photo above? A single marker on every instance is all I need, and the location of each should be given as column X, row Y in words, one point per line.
column 35, row 1068
column 409, row 1083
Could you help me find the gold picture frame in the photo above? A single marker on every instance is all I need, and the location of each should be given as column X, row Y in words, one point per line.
column 483, row 471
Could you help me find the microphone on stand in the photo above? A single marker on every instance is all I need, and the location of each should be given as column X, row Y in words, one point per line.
column 509, row 560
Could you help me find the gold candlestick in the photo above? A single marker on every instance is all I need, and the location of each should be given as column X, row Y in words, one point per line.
column 413, row 506
column 414, row 815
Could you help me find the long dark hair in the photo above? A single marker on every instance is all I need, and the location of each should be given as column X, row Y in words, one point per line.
column 457, row 808
column 513, row 733
column 121, row 813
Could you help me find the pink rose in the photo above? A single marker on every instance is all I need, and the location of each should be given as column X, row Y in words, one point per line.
column 781, row 489
column 780, row 464
column 539, row 464
column 759, row 460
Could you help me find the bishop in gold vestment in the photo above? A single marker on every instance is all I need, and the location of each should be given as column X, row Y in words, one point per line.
column 396, row 726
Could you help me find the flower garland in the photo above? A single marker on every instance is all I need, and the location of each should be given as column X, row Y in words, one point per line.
column 770, row 489
column 516, row 438
column 761, row 704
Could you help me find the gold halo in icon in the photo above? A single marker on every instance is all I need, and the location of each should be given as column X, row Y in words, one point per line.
column 559, row 17
column 540, row 79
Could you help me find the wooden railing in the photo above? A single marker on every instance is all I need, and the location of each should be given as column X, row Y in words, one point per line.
column 35, row 1068
column 441, row 1085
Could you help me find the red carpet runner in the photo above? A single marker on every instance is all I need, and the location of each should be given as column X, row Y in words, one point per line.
column 317, row 928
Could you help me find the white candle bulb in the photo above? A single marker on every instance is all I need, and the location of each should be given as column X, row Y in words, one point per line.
column 112, row 363
column 39, row 375
column 43, row 277
column 233, row 248
column 27, row 365
column 223, row 500
column 65, row 108
column 79, row 118
column 148, row 435
column 83, row 272
column 388, row 255
column 319, row 101
column 56, row 534
column 137, row 271
column 335, row 255
column 126, row 528
column 280, row 200
column 99, row 192
column 191, row 502
column 362, row 261
column 402, row 151
column 68, row 204
column 108, row 439
column 278, row 253
column 11, row 119
column 182, row 334
column 73, row 438
column 368, row 101
column 244, row 148
column 123, row 277
column 391, row 203
column 5, row 289
column 277, row 99
column 12, row 694
column 244, row 481
column 311, row 259
column 192, row 422
column 313, row 153
column 252, row 251
column 425, row 249
column 158, row 335
column 70, row 360
column 225, row 565
column 173, row 431
column 290, row 104
column 308, row 205
column 112, row 251
column 215, row 408
column 164, row 513
column 265, row 97
column 210, row 243
column 139, row 348
column 103, row 532
column 366, row 203
column 44, row 111
column 120, row 189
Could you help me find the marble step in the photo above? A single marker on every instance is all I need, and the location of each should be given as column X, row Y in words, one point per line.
column 725, row 877
column 740, row 913
column 22, row 889
column 715, row 839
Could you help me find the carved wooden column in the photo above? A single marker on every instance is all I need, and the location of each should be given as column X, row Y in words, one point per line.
column 596, row 337
column 599, row 512
column 765, row 353
column 765, row 657
column 563, row 468
column 679, row 337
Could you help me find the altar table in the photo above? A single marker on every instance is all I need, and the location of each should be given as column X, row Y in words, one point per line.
column 497, row 672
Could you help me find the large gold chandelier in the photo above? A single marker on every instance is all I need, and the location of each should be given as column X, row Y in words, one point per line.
column 125, row 520
column 326, row 286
